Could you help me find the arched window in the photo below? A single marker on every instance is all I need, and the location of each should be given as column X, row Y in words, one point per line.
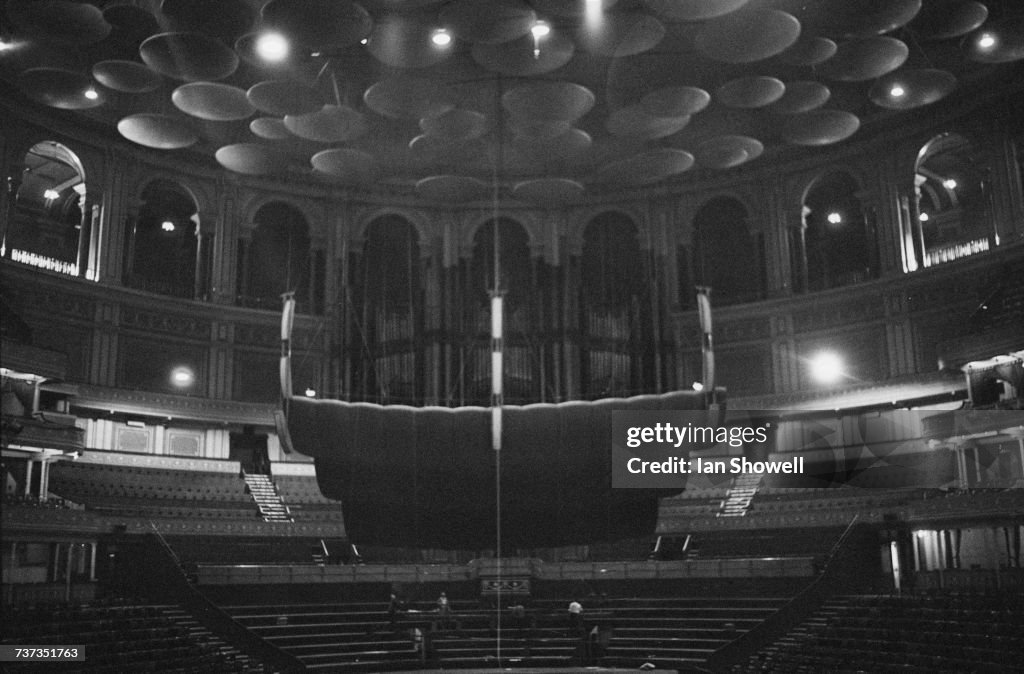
column 160, row 250
column 278, row 258
column 726, row 255
column 614, row 309
column 838, row 244
column 952, row 209
column 50, row 228
column 388, row 310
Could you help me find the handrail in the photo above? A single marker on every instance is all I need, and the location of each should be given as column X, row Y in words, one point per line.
column 162, row 563
column 839, row 567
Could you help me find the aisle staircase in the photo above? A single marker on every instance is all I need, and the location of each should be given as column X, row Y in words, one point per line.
column 741, row 493
column 264, row 493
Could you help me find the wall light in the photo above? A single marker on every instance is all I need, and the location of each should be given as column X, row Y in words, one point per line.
column 183, row 377
column 826, row 367
column 167, row 226
column 310, row 392
column 51, row 194
column 923, row 217
column 949, row 184
column 835, row 217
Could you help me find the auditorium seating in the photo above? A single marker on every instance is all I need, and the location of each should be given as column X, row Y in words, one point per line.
column 118, row 636
column 934, row 632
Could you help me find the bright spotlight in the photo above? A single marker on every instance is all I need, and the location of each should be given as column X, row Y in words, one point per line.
column 540, row 29
column 987, row 41
column 835, row 218
column 441, row 37
column 949, row 184
column 826, row 367
column 51, row 194
column 182, row 377
column 91, row 94
column 167, row 226
column 272, row 47
column 897, row 91
column 698, row 386
column 923, row 217
column 310, row 392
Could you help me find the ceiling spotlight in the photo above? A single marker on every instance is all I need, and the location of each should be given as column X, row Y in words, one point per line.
column 441, row 37
column 826, row 367
column 91, row 94
column 923, row 217
column 540, row 29
column 51, row 194
column 5, row 44
column 949, row 184
column 365, row 40
column 835, row 218
column 310, row 392
column 272, row 47
column 167, row 226
column 698, row 386
column 897, row 91
column 987, row 41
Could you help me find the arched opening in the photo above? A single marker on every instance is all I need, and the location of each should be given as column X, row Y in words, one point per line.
column 952, row 207
column 160, row 250
column 518, row 288
column 726, row 253
column 838, row 244
column 278, row 258
column 50, row 227
column 388, row 311
column 614, row 311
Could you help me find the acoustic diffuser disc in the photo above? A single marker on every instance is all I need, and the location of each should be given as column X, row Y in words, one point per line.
column 634, row 122
column 865, row 59
column 212, row 102
column 693, row 10
column 128, row 77
column 944, row 19
column 750, row 92
column 675, row 101
column 646, row 168
column 748, row 36
column 161, row 132
column 319, row 25
column 59, row 22
column 548, row 100
column 906, row 89
column 728, row 151
column 329, row 124
column 59, row 88
column 525, row 56
column 346, row 165
column 623, row 34
column 192, row 57
column 490, row 22
column 549, row 191
column 820, row 127
column 404, row 97
column 249, row 159
column 284, row 97
column 270, row 128
column 801, row 96
column 452, row 189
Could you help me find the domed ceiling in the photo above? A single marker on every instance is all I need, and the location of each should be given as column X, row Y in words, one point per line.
column 554, row 98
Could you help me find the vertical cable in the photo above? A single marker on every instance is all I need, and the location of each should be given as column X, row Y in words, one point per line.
column 497, row 334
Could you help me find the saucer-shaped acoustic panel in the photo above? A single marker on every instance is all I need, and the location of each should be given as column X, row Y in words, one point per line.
column 820, row 127
column 192, row 57
column 944, row 19
column 58, row 21
column 404, row 40
column 564, row 147
column 249, row 158
column 284, row 97
column 548, row 100
column 728, row 151
column 346, row 165
column 809, row 51
column 862, row 18
column 866, row 59
column 224, row 19
column 907, row 89
column 212, row 102
column 525, row 56
column 573, row 9
column 801, row 96
column 452, row 189
column 161, row 132
column 646, row 168
column 748, row 36
column 622, row 34
column 59, row 88
column 329, row 124
column 549, row 191
column 693, row 10
column 130, row 25
column 403, row 97
column 634, row 122
column 539, row 129
column 129, row 77
column 442, row 152
column 319, row 24
column 270, row 128
column 675, row 101
column 455, row 124
column 488, row 22
column 750, row 92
